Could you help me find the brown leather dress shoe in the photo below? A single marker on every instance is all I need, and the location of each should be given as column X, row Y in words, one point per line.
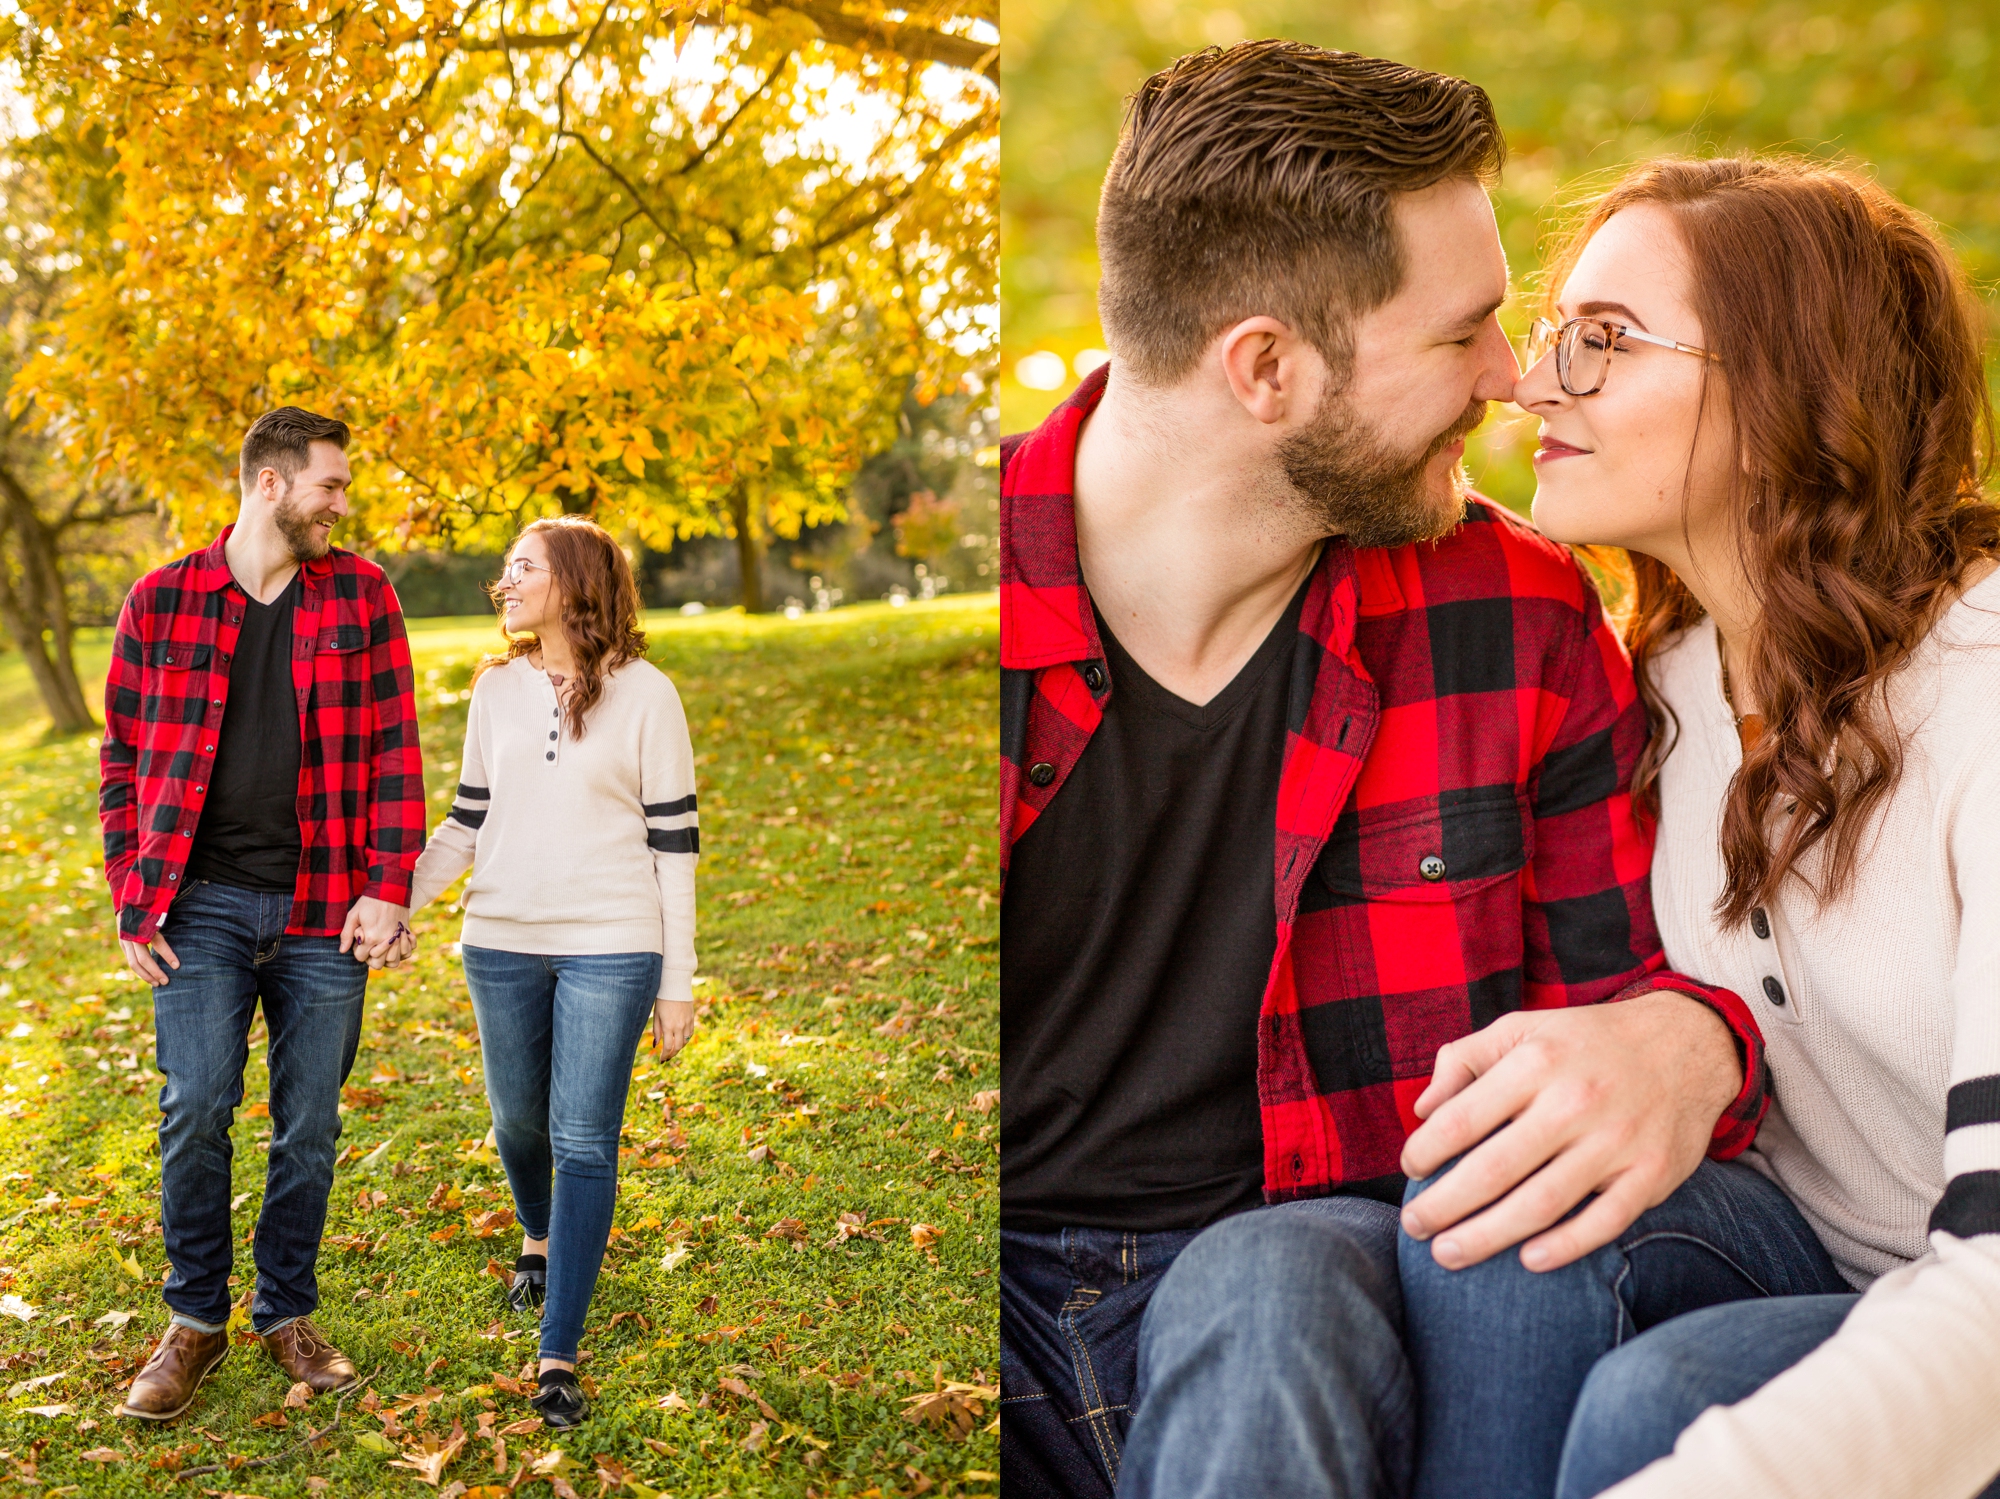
column 303, row 1352
column 166, row 1386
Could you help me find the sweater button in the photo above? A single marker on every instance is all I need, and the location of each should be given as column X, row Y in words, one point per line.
column 1431, row 868
column 1760, row 923
column 1774, row 991
column 552, row 733
column 551, row 755
column 1041, row 772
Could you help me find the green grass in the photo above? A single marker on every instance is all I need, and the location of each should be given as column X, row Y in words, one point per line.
column 849, row 1028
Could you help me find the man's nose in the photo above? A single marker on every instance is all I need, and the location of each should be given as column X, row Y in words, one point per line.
column 1498, row 368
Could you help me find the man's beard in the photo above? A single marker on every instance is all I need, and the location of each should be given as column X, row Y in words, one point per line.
column 1356, row 486
column 301, row 531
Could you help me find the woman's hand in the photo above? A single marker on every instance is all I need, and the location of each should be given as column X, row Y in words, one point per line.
column 673, row 1025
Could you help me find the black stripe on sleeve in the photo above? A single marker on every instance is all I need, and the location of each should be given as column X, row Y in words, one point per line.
column 472, row 818
column 671, row 809
column 674, row 840
column 1970, row 1205
column 1974, row 1101
column 473, row 793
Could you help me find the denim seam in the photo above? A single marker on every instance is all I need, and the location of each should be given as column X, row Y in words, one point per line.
column 1086, row 1371
column 1019, row 1399
column 1687, row 1238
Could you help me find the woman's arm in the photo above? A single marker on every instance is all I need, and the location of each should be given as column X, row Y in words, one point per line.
column 450, row 851
column 1904, row 1401
column 673, row 833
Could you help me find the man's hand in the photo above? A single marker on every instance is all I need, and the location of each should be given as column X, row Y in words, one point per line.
column 374, row 929
column 1549, row 1106
column 143, row 958
column 673, row 1025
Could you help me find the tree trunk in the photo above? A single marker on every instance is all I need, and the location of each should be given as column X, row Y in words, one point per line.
column 749, row 554
column 35, row 611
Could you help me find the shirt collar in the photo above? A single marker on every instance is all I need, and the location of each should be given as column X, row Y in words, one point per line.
column 213, row 566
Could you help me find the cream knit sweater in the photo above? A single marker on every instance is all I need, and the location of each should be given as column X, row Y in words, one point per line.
column 576, row 845
column 1885, row 1061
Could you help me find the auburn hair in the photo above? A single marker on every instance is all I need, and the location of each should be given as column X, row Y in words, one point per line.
column 1260, row 179
column 599, row 602
column 1850, row 359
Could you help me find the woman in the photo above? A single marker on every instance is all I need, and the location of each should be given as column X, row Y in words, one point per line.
column 1763, row 380
column 576, row 811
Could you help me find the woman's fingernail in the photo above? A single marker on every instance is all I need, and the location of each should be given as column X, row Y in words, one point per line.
column 1414, row 1226
column 1447, row 1252
column 1535, row 1256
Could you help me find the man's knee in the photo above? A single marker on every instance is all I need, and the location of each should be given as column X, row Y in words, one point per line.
column 1276, row 1276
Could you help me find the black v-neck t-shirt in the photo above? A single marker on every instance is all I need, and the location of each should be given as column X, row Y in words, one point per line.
column 1136, row 940
column 248, row 836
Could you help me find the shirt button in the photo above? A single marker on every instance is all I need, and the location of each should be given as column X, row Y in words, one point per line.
column 1760, row 923
column 198, row 790
column 1432, row 868
column 208, row 749
column 551, row 755
column 187, row 832
column 218, row 702
column 552, row 733
column 172, row 877
column 1041, row 772
column 1093, row 677
column 1774, row 991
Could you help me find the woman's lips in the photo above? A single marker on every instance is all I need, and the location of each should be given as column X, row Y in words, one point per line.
column 1552, row 448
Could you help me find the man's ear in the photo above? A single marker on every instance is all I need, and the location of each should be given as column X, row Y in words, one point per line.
column 1271, row 371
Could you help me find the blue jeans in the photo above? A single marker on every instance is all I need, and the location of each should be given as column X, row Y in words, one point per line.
column 1501, row 1353
column 233, row 955
column 558, row 1034
column 1641, row 1397
column 1261, row 1355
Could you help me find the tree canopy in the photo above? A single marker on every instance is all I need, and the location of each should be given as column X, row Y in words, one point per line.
column 672, row 266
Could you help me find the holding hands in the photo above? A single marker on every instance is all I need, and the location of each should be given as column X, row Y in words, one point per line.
column 378, row 933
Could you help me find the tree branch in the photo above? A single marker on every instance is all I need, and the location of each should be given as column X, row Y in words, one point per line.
column 914, row 43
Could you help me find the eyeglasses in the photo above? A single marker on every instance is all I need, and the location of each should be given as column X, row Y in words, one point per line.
column 518, row 568
column 1584, row 346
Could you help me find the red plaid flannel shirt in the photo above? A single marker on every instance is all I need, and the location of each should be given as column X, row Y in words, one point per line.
column 1454, row 838
column 361, row 784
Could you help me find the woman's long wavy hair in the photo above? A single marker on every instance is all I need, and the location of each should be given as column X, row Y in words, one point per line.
column 1851, row 372
column 599, row 603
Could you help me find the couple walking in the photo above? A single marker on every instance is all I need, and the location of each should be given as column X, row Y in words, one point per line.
column 263, row 810
column 1456, row 1043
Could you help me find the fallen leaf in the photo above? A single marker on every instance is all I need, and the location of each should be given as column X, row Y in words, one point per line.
column 51, row 1411
column 39, row 1382
column 446, row 1234
column 523, row 1427
column 271, row 1418
column 671, row 1401
column 444, row 1198
column 674, row 1257
column 923, row 1235
column 707, row 1307
column 486, row 1225
column 497, row 1270
column 102, row 1455
column 755, row 1441
column 115, row 1319
column 986, row 1100
column 429, row 1459
column 297, row 1396
column 374, row 1441
column 787, row 1228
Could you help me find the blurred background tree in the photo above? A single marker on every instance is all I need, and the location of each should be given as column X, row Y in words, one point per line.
column 681, row 268
column 1582, row 87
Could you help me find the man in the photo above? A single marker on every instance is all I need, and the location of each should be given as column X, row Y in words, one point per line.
column 1313, row 765
column 263, row 808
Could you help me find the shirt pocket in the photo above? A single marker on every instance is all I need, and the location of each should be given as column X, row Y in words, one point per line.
column 1436, row 853
column 1425, row 906
column 175, row 688
column 340, row 667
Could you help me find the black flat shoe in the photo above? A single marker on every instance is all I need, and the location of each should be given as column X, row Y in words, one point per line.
column 560, row 1400
column 531, row 1283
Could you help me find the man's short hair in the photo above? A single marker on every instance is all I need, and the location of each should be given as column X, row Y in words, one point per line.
column 283, row 440
column 1260, row 179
